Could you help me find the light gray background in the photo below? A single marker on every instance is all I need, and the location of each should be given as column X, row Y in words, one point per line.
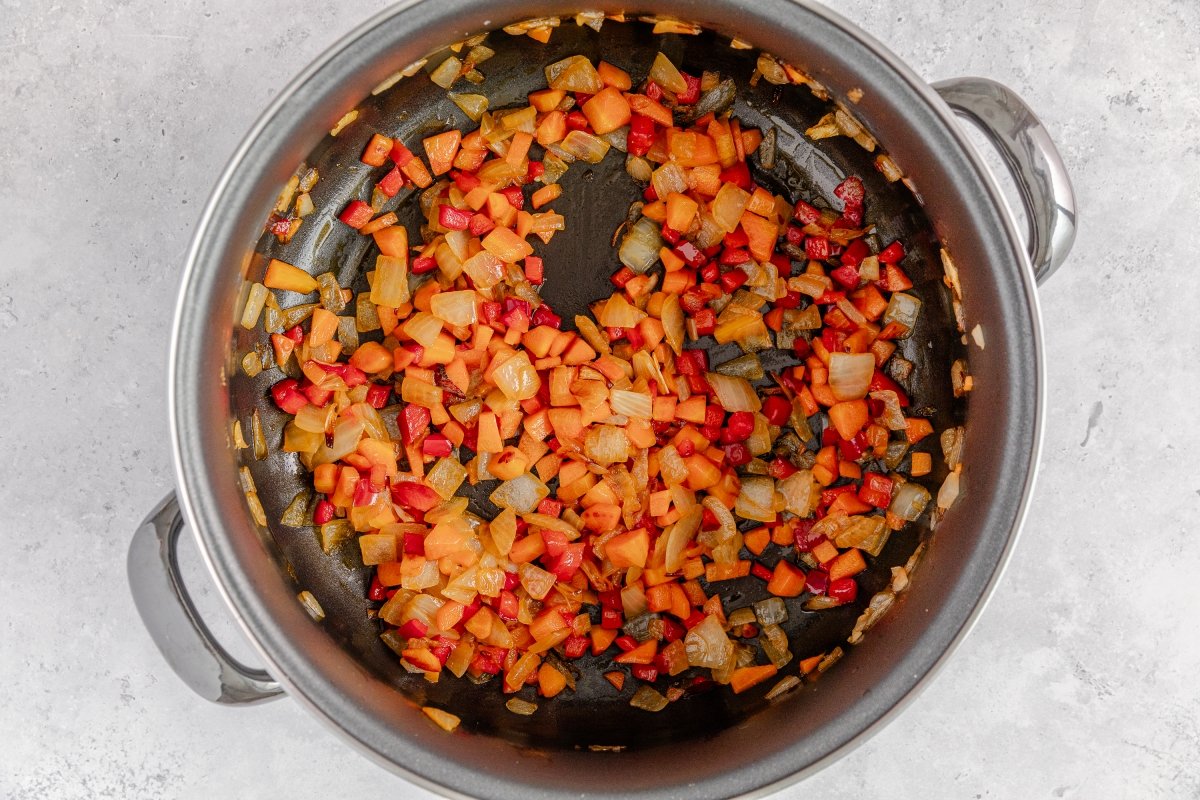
column 1078, row 682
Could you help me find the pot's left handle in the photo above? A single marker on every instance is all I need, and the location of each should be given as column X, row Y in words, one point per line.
column 171, row 618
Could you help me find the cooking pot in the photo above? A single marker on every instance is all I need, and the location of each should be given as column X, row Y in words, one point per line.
column 592, row 744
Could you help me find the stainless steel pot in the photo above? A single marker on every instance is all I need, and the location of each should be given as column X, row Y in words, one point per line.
column 745, row 751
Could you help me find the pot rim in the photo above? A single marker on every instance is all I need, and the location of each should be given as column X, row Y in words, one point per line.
column 195, row 488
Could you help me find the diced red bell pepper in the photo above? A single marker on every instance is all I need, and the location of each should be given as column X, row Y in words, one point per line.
column 422, row 264
column 738, row 174
column 733, row 280
column 454, row 219
column 706, row 321
column 465, row 181
column 892, row 254
column 644, row 672
column 882, row 383
column 760, row 571
column 535, row 170
column 544, row 316
column 738, row 428
column 714, row 415
column 357, row 214
column 844, row 590
column 853, row 449
column 850, row 191
column 515, row 196
column 377, row 395
column 876, row 489
column 692, row 362
column 780, row 468
column 855, row 252
column 490, row 311
column 377, row 591
column 323, row 512
column 575, row 646
column 611, row 619
column 535, row 274
column 641, row 135
column 690, row 254
column 287, row 396
column 816, row 248
column 737, row 454
column 686, row 447
column 777, row 410
column 392, row 183
column 414, row 543
column 672, row 630
column 576, row 121
column 413, row 629
column 710, row 272
column 401, row 155
column 622, row 276
column 507, row 605
column 414, row 423
column 846, row 276
column 315, row 394
column 690, row 95
column 803, row 537
column 816, row 581
column 734, row 256
column 805, row 213
column 437, row 445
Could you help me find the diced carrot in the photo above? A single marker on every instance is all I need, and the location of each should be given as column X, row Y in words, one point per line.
column 757, row 540
column 615, row 77
column 917, row 429
column 787, row 580
column 607, row 110
column 629, row 549
column 602, row 639
column 745, row 677
column 922, row 464
column 847, row 564
column 550, row 681
column 441, row 150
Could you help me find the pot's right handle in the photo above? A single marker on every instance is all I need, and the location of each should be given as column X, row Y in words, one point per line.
column 1036, row 166
column 171, row 618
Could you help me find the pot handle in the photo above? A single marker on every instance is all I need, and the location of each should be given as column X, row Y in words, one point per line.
column 171, row 617
column 1030, row 155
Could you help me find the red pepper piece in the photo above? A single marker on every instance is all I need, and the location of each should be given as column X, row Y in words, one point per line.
column 686, row 447
column 392, row 183
column 535, row 170
column 377, row 395
column 287, row 396
column 544, row 316
column 576, row 121
column 414, row 423
column 777, row 410
column 850, row 191
column 437, row 445
column 816, row 581
column 844, row 590
column 760, row 571
column 356, row 214
column 507, row 605
column 401, row 155
column 413, row 629
column 714, row 415
column 690, row 95
column 323, row 512
column 892, row 254
column 622, row 276
column 423, row 264
column 805, row 213
column 670, row 235
column 846, row 276
column 625, row 643
column 706, row 321
column 855, row 252
column 738, row 428
column 575, row 646
column 816, row 248
column 780, row 468
column 733, row 280
column 480, row 224
column 535, row 273
column 641, row 135
column 882, row 383
column 737, row 454
column 455, row 219
column 644, row 672
column 690, row 254
column 734, row 256
column 515, row 197
column 465, row 181
column 611, row 619
column 876, row 490
column 738, row 174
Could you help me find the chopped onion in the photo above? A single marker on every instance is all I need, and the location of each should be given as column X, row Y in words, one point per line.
column 638, row 168
column 455, row 308
column 783, row 687
column 473, row 105
column 756, row 500
column 334, row 533
column 345, row 441
column 893, row 415
column 669, row 179
column 618, row 313
column 736, row 394
column 666, row 75
column 903, row 309
column 311, row 605
column 728, row 205
column 517, row 378
column 255, row 301
column 671, row 317
column 444, row 720
column 389, row 286
column 680, row 536
column 537, row 581
column 949, row 491
column 640, row 245
column 952, row 441
column 908, row 501
column 647, row 699
column 801, row 493
column 850, row 374
column 771, row 611
column 707, row 645
column 503, row 529
column 606, row 444
column 523, row 707
column 447, row 72
column 631, row 404
column 424, row 328
column 574, row 74
column 671, row 466
column 585, row 147
column 446, row 476
column 522, row 494
column 484, row 269
column 592, row 335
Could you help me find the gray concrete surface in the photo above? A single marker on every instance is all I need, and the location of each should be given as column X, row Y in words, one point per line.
column 1079, row 681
